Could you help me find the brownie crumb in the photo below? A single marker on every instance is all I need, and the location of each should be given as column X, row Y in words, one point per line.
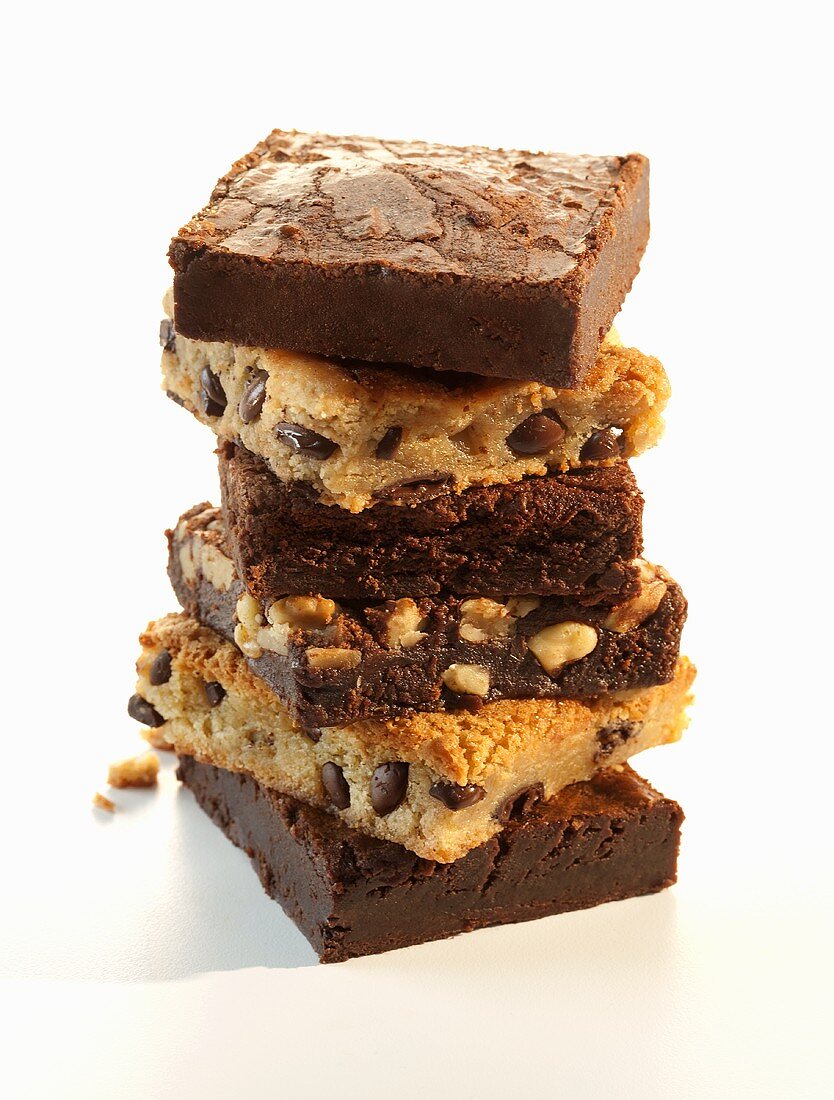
column 137, row 771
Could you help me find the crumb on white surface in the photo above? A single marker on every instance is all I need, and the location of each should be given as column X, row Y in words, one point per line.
column 136, row 771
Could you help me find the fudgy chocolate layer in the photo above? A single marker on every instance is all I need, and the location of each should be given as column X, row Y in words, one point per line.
column 572, row 534
column 332, row 664
column 350, row 894
column 498, row 262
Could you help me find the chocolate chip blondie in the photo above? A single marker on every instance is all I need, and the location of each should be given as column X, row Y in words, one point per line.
column 359, row 434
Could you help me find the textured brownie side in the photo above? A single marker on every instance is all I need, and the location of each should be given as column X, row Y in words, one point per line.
column 610, row 838
column 332, row 664
column 569, row 534
column 505, row 263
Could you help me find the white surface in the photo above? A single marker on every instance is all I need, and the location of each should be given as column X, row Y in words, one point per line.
column 142, row 957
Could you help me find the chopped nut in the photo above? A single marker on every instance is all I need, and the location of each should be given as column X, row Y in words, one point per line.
column 217, row 569
column 482, row 619
column 245, row 644
column 187, row 566
column 137, row 771
column 248, row 612
column 253, row 635
column 519, row 606
column 302, row 612
column 561, row 644
column 102, row 803
column 404, row 624
column 332, row 658
column 467, row 679
column 628, row 615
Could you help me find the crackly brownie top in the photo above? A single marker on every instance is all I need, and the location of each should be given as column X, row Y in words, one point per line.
column 502, row 216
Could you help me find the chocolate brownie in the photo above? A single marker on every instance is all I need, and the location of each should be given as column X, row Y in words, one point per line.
column 611, row 838
column 563, row 534
column 332, row 664
column 496, row 262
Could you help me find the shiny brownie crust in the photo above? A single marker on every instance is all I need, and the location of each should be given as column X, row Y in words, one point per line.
column 497, row 262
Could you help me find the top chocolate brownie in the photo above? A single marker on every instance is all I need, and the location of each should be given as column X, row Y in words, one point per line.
column 497, row 262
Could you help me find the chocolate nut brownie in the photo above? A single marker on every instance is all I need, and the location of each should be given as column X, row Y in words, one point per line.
column 610, row 838
column 571, row 534
column 437, row 783
column 495, row 262
column 358, row 433
column 333, row 663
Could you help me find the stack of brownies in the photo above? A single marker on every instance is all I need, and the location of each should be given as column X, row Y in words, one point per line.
column 419, row 641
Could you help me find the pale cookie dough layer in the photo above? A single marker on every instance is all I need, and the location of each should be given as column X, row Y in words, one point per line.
column 379, row 428
column 478, row 762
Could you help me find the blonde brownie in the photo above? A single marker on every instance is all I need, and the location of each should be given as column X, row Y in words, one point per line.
column 360, row 433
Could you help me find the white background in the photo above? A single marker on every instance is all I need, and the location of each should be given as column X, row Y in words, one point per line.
column 141, row 955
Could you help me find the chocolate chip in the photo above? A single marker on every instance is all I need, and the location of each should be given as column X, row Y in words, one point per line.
column 143, row 712
column 612, row 737
column 334, row 782
column 175, row 397
column 388, row 786
column 520, row 803
column 167, row 334
column 254, row 395
column 414, row 492
column 602, row 444
column 213, row 395
column 390, row 443
column 304, row 441
column 537, row 435
column 314, row 734
column 454, row 797
column 160, row 672
column 215, row 693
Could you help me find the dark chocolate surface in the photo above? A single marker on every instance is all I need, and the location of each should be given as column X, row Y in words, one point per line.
column 392, row 680
column 568, row 534
column 350, row 894
column 498, row 262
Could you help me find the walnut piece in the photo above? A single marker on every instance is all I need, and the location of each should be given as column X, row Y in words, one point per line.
column 137, row 771
column 519, row 606
column 249, row 624
column 331, row 657
column 302, row 612
column 628, row 615
column 253, row 634
column 217, row 568
column 467, row 679
column 561, row 644
column 404, row 625
column 482, row 620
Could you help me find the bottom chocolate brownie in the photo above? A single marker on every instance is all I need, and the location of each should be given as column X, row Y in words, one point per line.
column 350, row 894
